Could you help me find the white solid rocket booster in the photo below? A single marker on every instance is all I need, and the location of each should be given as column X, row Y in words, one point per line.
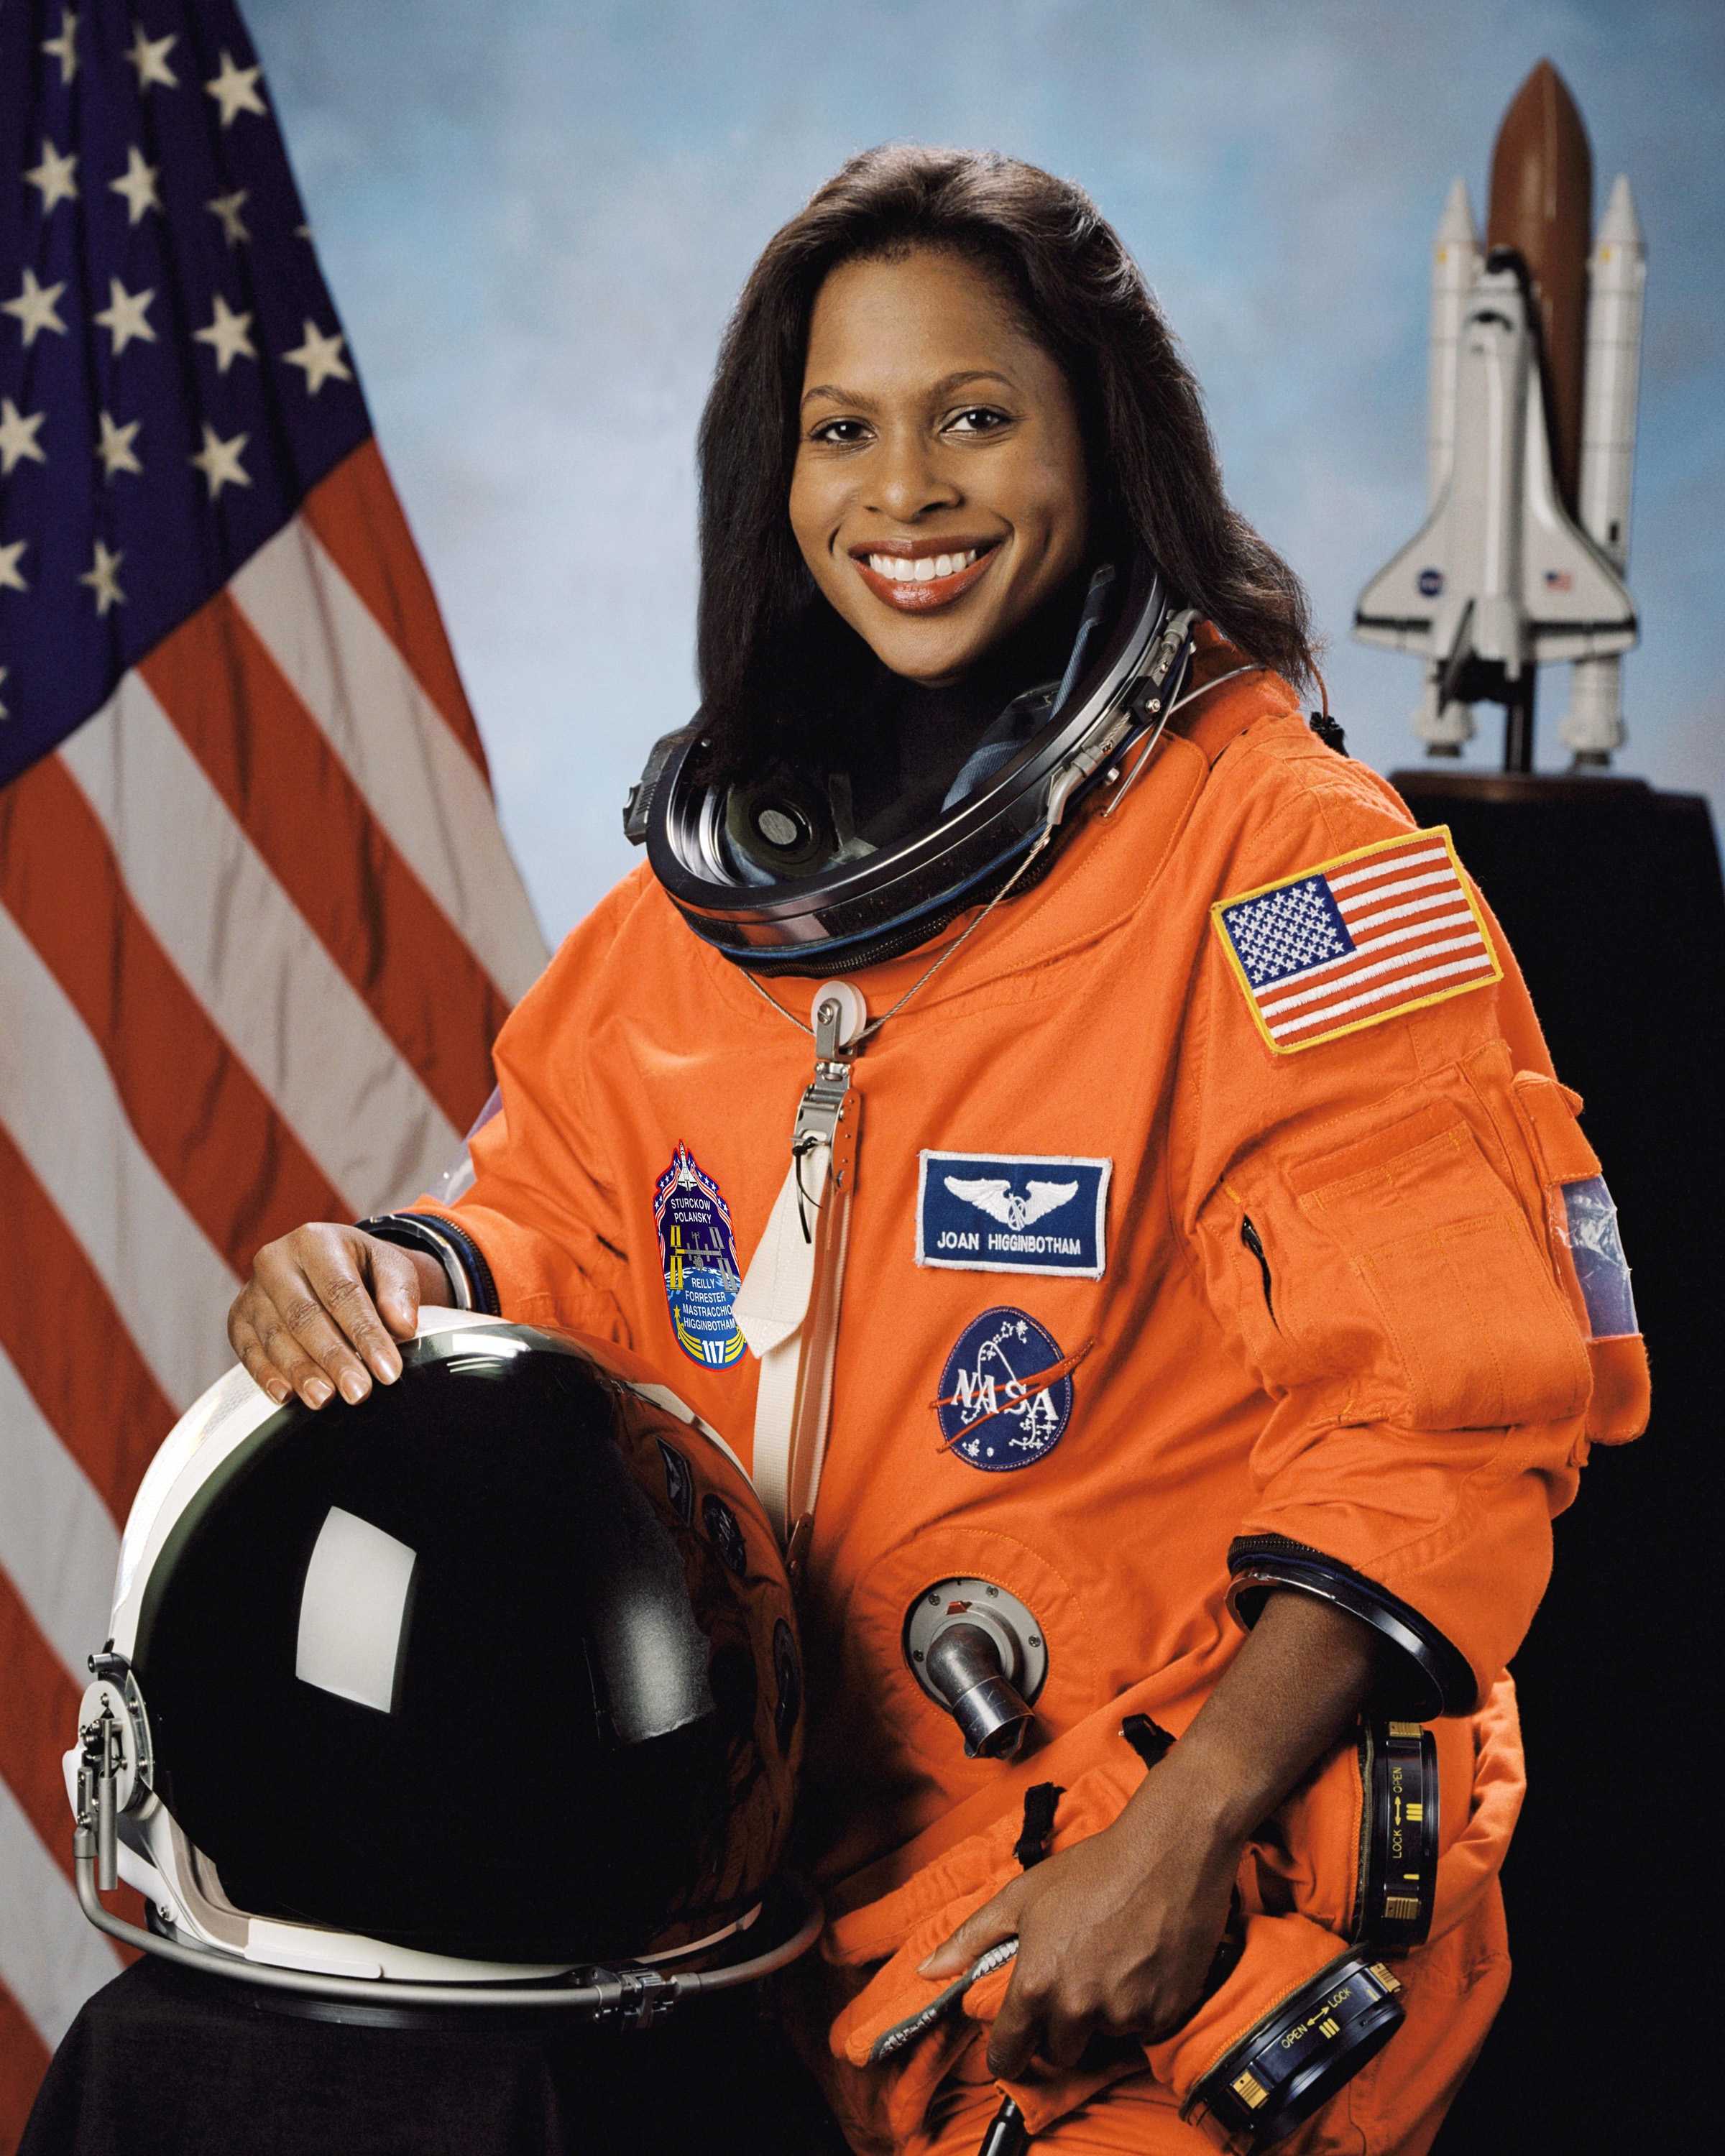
column 1456, row 257
column 1455, row 260
column 1617, row 275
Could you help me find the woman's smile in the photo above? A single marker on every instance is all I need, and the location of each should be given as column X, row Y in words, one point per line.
column 918, row 577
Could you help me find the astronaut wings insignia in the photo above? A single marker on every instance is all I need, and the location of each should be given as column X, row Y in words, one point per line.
column 1386, row 929
column 1013, row 1212
column 996, row 1197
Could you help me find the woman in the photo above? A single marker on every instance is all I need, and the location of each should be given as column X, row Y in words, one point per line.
column 1304, row 1342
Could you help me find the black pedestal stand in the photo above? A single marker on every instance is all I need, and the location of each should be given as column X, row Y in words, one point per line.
column 1610, row 896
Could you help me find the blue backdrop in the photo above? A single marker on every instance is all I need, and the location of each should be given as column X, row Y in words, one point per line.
column 535, row 214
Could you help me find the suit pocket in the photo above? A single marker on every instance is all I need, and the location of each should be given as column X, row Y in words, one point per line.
column 1434, row 1283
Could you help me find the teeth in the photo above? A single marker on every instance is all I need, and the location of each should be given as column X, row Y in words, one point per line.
column 923, row 569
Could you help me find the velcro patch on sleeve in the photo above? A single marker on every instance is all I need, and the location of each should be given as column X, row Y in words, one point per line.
column 1387, row 928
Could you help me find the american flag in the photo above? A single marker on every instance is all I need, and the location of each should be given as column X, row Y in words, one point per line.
column 258, row 924
column 1358, row 940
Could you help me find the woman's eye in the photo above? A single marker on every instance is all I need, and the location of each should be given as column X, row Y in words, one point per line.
column 841, row 432
column 976, row 419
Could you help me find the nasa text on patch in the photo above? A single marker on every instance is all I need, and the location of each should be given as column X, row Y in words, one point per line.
column 1013, row 1212
column 1006, row 1392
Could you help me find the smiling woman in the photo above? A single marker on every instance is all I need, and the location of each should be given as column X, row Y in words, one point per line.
column 1187, row 1352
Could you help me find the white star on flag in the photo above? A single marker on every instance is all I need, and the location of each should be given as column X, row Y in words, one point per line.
column 235, row 89
column 149, row 56
column 123, row 317
column 227, row 335
column 320, row 357
column 63, row 48
column 114, row 445
column 11, row 579
column 138, row 184
column 101, row 576
column 4, row 713
column 34, row 307
column 17, row 439
column 228, row 209
column 219, row 460
column 54, row 177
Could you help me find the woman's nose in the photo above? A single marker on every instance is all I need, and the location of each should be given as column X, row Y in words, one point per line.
column 909, row 478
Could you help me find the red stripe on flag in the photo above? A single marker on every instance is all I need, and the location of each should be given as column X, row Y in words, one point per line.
column 355, row 512
column 1350, row 876
column 40, row 1722
column 198, row 1112
column 266, row 756
column 23, row 2061
column 59, row 1326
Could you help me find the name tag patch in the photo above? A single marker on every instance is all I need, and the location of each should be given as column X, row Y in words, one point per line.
column 1013, row 1212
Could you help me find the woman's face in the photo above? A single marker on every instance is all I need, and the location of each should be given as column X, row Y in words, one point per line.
column 939, row 493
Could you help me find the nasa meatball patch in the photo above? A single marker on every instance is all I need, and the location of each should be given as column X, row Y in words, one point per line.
column 1006, row 1392
column 697, row 1255
column 1013, row 1212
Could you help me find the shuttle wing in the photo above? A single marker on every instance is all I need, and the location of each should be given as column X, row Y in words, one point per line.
column 1400, row 605
column 1576, row 604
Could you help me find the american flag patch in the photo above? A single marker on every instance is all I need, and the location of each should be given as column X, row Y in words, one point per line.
column 1382, row 930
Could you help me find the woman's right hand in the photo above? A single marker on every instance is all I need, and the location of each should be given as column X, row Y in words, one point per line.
column 324, row 1303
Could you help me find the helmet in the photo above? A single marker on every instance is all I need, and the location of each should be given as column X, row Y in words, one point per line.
column 769, row 870
column 491, row 1677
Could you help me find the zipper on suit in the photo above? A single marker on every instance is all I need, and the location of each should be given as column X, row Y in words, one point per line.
column 1255, row 1243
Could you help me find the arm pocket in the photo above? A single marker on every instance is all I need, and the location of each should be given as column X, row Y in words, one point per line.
column 1426, row 1242
column 1587, row 1256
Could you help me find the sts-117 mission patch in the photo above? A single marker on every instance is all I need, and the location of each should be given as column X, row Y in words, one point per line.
column 697, row 1255
column 1386, row 929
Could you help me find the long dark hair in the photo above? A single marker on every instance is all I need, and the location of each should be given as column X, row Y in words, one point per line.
column 766, row 639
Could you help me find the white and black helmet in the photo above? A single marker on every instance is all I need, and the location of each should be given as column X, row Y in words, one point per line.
column 489, row 1678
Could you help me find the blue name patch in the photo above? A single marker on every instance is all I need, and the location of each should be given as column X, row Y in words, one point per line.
column 1013, row 1212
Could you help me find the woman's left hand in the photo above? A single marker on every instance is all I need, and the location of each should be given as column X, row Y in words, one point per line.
column 1116, row 1934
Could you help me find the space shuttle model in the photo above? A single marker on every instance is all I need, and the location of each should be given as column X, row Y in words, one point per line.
column 1535, row 358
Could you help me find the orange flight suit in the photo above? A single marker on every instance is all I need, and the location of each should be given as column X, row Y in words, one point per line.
column 1406, row 1382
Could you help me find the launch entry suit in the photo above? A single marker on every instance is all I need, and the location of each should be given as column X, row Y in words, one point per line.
column 1313, row 1291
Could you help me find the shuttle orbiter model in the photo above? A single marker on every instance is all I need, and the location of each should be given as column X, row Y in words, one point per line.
column 1535, row 357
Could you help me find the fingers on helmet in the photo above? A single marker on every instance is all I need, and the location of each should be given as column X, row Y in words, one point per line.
column 307, row 1343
